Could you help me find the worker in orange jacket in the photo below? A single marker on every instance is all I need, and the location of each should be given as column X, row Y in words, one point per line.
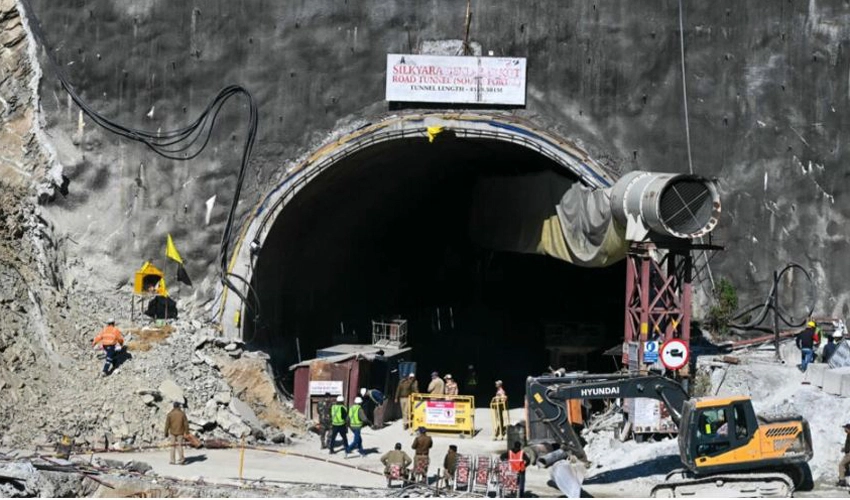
column 109, row 338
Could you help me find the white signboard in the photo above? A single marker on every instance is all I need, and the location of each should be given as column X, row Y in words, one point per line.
column 650, row 415
column 320, row 387
column 456, row 79
column 440, row 412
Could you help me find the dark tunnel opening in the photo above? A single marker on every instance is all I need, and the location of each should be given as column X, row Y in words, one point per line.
column 387, row 232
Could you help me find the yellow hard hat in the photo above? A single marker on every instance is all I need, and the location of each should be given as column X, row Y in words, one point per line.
column 811, row 323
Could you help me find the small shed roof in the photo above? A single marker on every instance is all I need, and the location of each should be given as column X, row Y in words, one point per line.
column 349, row 351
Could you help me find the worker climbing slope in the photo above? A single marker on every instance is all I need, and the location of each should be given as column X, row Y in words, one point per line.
column 111, row 340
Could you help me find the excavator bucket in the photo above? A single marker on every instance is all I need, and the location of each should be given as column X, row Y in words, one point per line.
column 569, row 476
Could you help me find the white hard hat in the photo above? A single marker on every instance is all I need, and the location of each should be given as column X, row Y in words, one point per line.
column 340, row 399
column 358, row 400
column 362, row 391
column 110, row 321
column 411, row 374
column 448, row 375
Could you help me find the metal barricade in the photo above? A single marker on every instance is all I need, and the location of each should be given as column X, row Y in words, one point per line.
column 482, row 481
column 508, row 480
column 501, row 417
column 443, row 413
column 463, row 473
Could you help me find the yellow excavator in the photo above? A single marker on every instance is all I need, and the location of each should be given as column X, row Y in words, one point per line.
column 726, row 450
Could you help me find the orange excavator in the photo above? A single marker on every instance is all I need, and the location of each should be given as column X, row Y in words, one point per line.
column 725, row 448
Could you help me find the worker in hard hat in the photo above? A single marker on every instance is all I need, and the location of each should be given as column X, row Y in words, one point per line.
column 110, row 339
column 831, row 346
column 356, row 420
column 806, row 343
column 339, row 414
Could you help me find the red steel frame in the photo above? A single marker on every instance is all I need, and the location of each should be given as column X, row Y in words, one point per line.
column 658, row 298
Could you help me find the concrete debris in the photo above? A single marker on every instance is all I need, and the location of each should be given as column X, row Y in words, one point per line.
column 279, row 437
column 118, row 427
column 172, row 392
column 222, row 398
column 150, row 392
column 20, row 480
column 30, row 482
column 246, row 414
column 231, row 423
column 200, row 342
column 137, row 466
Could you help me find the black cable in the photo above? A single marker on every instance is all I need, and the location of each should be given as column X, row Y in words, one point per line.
column 767, row 306
column 169, row 144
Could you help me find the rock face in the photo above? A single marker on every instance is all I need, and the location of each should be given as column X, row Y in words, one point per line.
column 766, row 88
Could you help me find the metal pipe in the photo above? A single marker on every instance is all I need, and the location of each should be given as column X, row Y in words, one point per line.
column 550, row 458
column 677, row 205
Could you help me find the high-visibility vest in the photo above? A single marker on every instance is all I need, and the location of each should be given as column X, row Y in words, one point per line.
column 336, row 414
column 516, row 462
column 354, row 416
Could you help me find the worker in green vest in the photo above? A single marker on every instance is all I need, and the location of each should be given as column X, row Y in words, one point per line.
column 338, row 416
column 356, row 420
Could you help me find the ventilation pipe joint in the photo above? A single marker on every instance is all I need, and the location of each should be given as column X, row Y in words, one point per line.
column 677, row 205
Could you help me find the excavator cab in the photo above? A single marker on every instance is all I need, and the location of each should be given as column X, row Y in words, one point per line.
column 720, row 435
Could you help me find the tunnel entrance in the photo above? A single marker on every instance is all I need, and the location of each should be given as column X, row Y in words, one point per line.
column 391, row 231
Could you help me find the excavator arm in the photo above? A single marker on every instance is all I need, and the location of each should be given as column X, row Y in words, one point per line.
column 546, row 398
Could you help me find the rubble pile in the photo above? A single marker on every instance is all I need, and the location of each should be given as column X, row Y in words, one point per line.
column 50, row 382
column 52, row 304
column 127, row 409
column 22, row 477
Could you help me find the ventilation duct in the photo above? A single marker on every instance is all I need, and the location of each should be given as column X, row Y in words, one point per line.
column 678, row 205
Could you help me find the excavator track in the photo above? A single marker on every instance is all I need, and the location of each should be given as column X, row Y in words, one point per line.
column 681, row 483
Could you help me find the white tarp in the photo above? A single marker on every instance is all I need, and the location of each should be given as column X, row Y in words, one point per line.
column 546, row 213
column 568, row 477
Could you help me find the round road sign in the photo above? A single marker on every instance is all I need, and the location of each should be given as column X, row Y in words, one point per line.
column 674, row 354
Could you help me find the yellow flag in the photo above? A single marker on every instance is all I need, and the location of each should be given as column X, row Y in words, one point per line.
column 171, row 251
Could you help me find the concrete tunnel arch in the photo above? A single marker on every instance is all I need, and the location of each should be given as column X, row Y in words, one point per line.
column 561, row 155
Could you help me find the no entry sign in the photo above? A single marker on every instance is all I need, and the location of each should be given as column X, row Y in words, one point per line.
column 674, row 354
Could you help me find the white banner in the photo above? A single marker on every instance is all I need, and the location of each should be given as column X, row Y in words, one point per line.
column 449, row 79
column 320, row 387
column 440, row 412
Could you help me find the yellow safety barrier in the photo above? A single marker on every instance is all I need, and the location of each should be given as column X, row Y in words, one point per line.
column 501, row 417
column 443, row 413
